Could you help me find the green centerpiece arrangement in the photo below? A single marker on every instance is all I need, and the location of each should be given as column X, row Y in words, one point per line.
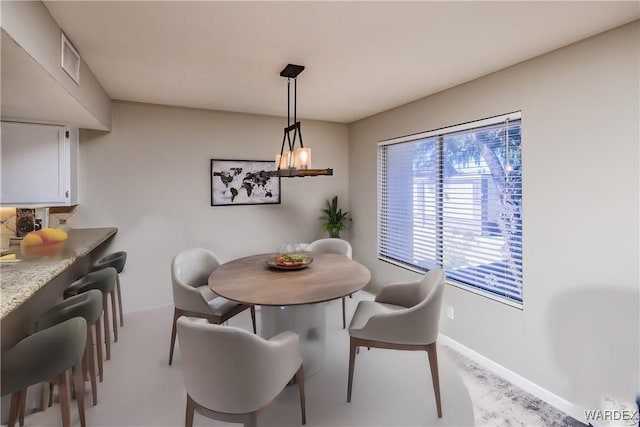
column 335, row 219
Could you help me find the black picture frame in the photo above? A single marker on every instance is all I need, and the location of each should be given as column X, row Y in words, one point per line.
column 239, row 182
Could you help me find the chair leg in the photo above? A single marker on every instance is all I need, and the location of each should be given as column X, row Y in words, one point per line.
column 176, row 314
column 23, row 406
column 65, row 398
column 119, row 291
column 107, row 334
column 14, row 408
column 188, row 421
column 98, row 328
column 352, row 361
column 50, row 395
column 91, row 362
column 85, row 364
column 114, row 315
column 300, row 380
column 433, row 363
column 344, row 314
column 253, row 318
column 78, row 385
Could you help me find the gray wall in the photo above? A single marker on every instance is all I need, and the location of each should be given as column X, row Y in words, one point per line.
column 578, row 334
column 150, row 178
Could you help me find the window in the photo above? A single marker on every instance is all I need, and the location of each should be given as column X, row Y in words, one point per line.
column 452, row 198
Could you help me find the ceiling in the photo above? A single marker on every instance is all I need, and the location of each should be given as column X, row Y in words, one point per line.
column 361, row 58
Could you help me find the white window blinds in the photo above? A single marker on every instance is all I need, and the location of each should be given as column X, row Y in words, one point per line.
column 452, row 198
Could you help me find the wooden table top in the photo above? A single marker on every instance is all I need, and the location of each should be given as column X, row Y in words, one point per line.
column 250, row 281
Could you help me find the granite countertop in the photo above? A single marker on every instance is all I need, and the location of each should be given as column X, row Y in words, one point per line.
column 21, row 279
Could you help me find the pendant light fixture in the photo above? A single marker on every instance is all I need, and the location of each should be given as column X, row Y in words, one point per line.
column 294, row 161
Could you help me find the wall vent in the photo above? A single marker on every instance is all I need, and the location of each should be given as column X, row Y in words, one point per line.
column 70, row 59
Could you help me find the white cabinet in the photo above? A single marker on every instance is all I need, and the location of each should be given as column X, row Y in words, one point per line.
column 39, row 164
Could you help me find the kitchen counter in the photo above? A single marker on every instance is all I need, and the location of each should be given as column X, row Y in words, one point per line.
column 20, row 280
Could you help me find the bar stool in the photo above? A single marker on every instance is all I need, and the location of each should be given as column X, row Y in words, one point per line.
column 87, row 305
column 116, row 260
column 105, row 281
column 46, row 356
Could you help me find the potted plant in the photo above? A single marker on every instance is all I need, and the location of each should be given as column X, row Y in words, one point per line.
column 335, row 219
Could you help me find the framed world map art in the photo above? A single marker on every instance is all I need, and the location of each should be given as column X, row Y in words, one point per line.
column 241, row 182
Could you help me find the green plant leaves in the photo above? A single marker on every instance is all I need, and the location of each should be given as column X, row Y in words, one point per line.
column 335, row 218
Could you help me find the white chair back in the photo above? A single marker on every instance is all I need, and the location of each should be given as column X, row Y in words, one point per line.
column 191, row 269
column 233, row 371
column 331, row 245
column 418, row 323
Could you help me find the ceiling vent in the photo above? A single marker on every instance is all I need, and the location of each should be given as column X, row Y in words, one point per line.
column 70, row 59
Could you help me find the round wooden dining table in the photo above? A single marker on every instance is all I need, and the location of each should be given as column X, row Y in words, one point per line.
column 291, row 299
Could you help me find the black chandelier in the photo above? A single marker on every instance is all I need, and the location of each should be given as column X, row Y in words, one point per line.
column 294, row 161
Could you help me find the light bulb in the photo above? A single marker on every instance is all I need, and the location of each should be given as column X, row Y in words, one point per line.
column 302, row 158
column 283, row 161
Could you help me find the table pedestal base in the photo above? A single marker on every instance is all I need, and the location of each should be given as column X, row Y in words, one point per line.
column 308, row 321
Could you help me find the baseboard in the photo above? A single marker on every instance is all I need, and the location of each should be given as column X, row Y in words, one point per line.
column 530, row 387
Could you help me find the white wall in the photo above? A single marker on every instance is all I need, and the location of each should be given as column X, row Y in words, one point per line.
column 578, row 334
column 31, row 25
column 150, row 178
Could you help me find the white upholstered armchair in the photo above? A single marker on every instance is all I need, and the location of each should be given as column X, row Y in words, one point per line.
column 333, row 246
column 404, row 316
column 230, row 373
column 190, row 271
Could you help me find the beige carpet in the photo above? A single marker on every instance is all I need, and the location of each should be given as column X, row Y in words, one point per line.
column 499, row 403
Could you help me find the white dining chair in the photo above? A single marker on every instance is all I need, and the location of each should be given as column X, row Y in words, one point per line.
column 230, row 374
column 333, row 246
column 190, row 271
column 404, row 316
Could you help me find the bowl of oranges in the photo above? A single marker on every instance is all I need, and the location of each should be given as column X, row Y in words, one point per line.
column 48, row 242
